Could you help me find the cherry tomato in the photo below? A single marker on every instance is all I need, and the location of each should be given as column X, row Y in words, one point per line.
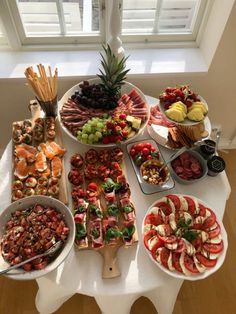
column 147, row 145
column 139, row 147
column 149, row 157
column 132, row 152
column 145, row 151
column 92, row 186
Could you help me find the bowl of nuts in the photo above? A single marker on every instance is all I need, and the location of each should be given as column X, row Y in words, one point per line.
column 152, row 172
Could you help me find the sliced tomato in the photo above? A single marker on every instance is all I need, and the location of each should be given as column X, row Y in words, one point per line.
column 189, row 264
column 202, row 210
column 153, row 219
column 214, row 232
column 175, row 199
column 209, row 221
column 148, row 235
column 157, row 242
column 175, row 261
column 191, row 205
column 197, row 243
column 205, row 261
column 168, row 239
column 181, row 246
column 164, row 207
column 164, row 255
column 213, row 248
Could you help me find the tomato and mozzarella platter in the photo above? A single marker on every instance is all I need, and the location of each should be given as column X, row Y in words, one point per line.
column 184, row 237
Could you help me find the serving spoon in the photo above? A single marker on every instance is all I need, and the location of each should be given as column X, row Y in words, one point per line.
column 51, row 251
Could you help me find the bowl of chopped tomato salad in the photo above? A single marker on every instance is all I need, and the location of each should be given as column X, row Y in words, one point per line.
column 30, row 227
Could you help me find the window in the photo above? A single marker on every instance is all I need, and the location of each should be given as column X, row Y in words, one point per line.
column 161, row 20
column 51, row 22
column 3, row 40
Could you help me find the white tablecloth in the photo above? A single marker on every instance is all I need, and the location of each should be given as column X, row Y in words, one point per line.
column 81, row 271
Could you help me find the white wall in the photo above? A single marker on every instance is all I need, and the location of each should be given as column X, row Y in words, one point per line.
column 218, row 87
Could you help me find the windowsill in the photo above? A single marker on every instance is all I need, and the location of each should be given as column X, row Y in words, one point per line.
column 86, row 63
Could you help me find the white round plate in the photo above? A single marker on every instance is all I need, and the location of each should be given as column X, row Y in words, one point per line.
column 125, row 89
column 208, row 271
column 20, row 274
column 160, row 133
column 186, row 120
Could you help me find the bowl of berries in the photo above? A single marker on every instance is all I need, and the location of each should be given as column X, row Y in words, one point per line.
column 105, row 110
column 182, row 105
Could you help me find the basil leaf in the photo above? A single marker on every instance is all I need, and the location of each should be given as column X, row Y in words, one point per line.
column 112, row 210
column 127, row 208
column 128, row 231
column 190, row 235
column 95, row 210
column 80, row 231
column 112, row 233
column 95, row 233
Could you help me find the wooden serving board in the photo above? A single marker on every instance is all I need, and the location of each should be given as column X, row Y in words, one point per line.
column 108, row 252
column 36, row 113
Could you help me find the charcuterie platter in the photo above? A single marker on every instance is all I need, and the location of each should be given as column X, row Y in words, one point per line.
column 38, row 165
column 184, row 237
column 103, row 210
column 106, row 110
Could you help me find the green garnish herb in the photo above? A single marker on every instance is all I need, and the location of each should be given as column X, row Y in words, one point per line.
column 127, row 232
column 112, row 233
column 95, row 233
column 80, row 231
column 128, row 208
column 187, row 233
column 112, row 210
column 95, row 210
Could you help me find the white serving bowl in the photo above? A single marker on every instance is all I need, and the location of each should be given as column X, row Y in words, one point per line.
column 202, row 163
column 20, row 274
column 126, row 88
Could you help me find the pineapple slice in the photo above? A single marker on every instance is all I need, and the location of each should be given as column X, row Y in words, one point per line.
column 199, row 104
column 179, row 104
column 195, row 114
column 175, row 114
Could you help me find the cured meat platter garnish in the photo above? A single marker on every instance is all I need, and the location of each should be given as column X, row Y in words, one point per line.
column 106, row 110
column 38, row 166
column 183, row 236
column 147, row 161
column 103, row 210
column 174, row 136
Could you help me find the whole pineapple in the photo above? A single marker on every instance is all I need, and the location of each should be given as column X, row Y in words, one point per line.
column 105, row 94
column 112, row 75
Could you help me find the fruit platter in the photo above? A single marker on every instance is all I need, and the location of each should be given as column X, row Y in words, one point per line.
column 173, row 135
column 184, row 237
column 104, row 214
column 182, row 105
column 104, row 111
column 147, row 162
column 38, row 165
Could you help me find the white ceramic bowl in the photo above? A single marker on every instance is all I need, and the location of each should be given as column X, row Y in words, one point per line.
column 208, row 271
column 203, row 165
column 126, row 88
column 20, row 274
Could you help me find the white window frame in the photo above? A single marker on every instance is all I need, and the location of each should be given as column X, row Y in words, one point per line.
column 11, row 18
column 18, row 40
column 171, row 40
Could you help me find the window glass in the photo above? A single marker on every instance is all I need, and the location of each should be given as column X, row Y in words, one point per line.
column 159, row 16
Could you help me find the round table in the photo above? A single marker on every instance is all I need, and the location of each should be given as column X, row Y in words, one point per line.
column 81, row 271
